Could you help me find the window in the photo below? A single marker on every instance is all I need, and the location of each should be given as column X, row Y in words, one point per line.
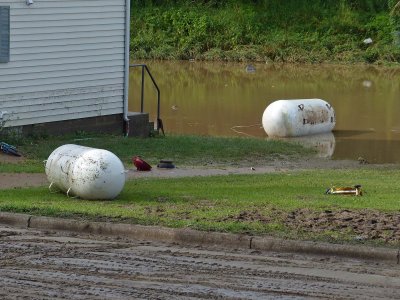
column 4, row 34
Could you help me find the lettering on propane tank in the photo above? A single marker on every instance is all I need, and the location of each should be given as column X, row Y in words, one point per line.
column 312, row 122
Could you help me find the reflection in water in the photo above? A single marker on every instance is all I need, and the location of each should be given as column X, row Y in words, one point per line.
column 225, row 99
column 323, row 143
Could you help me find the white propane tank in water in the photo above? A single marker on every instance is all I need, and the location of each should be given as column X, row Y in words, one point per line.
column 85, row 172
column 285, row 118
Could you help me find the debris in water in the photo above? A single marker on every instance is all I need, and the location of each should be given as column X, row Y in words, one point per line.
column 367, row 83
column 250, row 69
column 235, row 128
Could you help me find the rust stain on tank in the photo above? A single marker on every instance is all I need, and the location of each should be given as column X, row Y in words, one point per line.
column 315, row 116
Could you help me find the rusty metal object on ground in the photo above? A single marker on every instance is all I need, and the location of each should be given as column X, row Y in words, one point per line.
column 356, row 190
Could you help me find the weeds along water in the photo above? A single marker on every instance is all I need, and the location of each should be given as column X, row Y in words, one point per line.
column 270, row 30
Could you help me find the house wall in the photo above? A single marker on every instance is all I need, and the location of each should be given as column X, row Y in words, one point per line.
column 66, row 61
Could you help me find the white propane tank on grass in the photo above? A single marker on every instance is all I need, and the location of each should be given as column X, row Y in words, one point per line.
column 286, row 118
column 85, row 172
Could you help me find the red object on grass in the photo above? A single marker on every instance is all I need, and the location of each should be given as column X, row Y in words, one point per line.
column 140, row 164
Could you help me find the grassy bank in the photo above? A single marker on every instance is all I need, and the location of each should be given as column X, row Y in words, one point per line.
column 183, row 150
column 270, row 30
column 290, row 204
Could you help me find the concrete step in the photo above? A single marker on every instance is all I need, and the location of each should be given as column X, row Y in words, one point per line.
column 139, row 124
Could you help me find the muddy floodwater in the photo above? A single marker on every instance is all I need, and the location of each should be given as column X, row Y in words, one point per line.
column 228, row 99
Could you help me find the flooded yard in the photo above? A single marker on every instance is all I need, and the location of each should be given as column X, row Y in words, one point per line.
column 228, row 99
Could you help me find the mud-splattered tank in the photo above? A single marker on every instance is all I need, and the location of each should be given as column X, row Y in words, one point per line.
column 285, row 118
column 85, row 172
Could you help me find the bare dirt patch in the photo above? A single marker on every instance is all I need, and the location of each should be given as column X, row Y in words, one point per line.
column 10, row 159
column 365, row 224
column 21, row 180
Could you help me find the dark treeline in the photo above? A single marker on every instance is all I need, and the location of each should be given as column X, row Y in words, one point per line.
column 267, row 30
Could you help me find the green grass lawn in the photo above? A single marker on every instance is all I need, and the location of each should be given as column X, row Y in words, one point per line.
column 254, row 204
column 289, row 204
column 184, row 150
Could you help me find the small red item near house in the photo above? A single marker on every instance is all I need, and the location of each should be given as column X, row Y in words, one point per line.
column 140, row 164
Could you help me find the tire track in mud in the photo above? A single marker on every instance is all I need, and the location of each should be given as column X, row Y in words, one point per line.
column 49, row 265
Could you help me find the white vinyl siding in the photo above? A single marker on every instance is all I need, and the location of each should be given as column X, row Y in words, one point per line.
column 66, row 61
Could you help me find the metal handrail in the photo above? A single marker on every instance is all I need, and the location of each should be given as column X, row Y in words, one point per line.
column 144, row 67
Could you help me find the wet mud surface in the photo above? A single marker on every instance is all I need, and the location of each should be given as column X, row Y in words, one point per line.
column 364, row 224
column 50, row 265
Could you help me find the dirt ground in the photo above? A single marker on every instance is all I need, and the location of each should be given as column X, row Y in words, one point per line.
column 365, row 224
column 60, row 265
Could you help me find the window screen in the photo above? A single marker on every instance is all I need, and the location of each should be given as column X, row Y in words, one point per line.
column 4, row 34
